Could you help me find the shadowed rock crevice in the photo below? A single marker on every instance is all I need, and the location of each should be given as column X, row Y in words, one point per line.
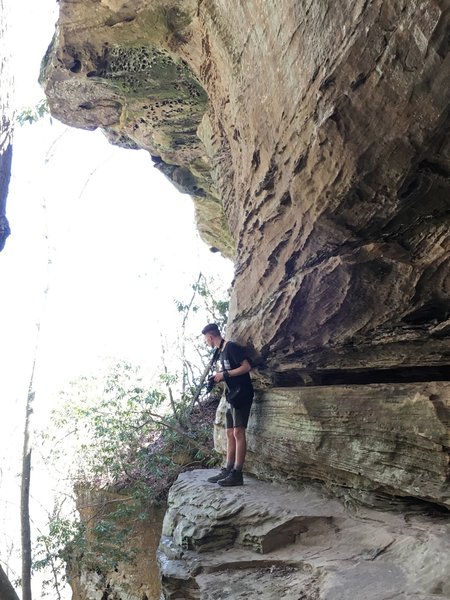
column 361, row 376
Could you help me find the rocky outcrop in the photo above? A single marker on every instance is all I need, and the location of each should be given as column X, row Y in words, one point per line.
column 272, row 542
column 314, row 139
column 343, row 257
column 115, row 65
column 116, row 558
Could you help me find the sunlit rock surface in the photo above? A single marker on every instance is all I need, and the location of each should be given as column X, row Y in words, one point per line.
column 115, row 566
column 271, row 542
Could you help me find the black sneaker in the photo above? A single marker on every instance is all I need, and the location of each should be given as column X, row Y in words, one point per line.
column 233, row 478
column 223, row 473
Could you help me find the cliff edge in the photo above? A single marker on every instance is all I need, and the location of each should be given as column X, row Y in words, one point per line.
column 269, row 541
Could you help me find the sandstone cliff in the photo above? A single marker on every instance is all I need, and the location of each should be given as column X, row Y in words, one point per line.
column 314, row 139
column 316, row 135
column 104, row 568
column 374, row 442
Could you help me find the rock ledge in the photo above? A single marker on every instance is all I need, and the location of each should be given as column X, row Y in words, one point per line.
column 271, row 541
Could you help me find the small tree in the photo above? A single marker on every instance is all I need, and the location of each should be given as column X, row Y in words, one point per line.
column 128, row 432
column 194, row 356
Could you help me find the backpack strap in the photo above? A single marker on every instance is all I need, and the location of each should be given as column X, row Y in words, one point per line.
column 223, row 369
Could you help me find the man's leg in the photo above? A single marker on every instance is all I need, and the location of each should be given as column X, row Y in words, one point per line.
column 235, row 476
column 240, row 446
column 239, row 443
column 231, row 456
column 231, row 448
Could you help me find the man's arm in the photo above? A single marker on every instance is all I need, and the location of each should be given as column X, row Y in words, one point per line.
column 245, row 367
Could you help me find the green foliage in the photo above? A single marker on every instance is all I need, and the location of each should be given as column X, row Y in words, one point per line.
column 130, row 436
column 122, row 445
column 111, row 420
column 50, row 553
column 99, row 546
column 202, row 307
column 52, row 544
column 212, row 309
column 33, row 114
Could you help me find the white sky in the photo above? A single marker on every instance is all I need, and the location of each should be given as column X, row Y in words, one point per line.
column 122, row 244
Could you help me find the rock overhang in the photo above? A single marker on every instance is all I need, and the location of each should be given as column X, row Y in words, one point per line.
column 315, row 143
column 127, row 80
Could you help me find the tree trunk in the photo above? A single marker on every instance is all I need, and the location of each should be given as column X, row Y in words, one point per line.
column 25, row 485
column 25, row 499
column 26, row 464
column 7, row 591
column 6, row 130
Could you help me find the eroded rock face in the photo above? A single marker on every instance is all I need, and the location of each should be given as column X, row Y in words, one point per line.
column 314, row 138
column 341, row 201
column 112, row 566
column 268, row 541
column 115, row 65
column 374, row 442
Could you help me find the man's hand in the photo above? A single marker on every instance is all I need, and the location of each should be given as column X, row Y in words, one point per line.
column 244, row 368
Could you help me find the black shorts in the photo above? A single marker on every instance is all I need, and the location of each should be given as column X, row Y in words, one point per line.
column 238, row 417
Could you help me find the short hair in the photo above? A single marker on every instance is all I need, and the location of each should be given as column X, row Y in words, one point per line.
column 211, row 328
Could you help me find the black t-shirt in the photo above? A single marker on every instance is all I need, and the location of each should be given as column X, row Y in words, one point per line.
column 230, row 358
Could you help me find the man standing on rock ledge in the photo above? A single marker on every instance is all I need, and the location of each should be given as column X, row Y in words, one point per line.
column 235, row 368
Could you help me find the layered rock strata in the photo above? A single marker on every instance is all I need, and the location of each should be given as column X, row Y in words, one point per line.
column 270, row 542
column 374, row 442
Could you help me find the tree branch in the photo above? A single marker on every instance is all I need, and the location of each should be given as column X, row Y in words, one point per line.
column 161, row 421
column 169, row 388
